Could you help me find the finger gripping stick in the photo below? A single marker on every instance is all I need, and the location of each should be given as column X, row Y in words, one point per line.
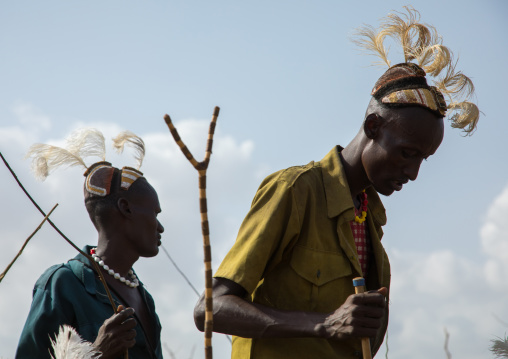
column 359, row 284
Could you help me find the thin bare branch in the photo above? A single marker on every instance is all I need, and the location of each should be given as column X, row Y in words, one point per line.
column 447, row 338
column 26, row 242
column 180, row 271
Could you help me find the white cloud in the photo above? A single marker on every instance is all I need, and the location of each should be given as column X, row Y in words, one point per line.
column 494, row 234
column 433, row 291
column 31, row 117
column 442, row 289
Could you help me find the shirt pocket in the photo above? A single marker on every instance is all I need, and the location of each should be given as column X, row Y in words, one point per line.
column 323, row 269
column 319, row 267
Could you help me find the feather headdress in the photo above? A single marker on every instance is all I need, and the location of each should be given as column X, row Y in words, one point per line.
column 68, row 344
column 405, row 84
column 85, row 143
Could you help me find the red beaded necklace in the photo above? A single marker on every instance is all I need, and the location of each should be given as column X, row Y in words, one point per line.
column 363, row 209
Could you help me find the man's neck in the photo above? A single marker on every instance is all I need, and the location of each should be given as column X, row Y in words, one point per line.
column 351, row 160
column 119, row 258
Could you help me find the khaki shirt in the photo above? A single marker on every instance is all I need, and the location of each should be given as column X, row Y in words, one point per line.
column 295, row 251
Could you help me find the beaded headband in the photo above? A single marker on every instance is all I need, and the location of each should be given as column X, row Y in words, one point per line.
column 89, row 142
column 405, row 84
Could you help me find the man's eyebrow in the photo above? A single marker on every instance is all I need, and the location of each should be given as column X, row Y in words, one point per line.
column 410, row 145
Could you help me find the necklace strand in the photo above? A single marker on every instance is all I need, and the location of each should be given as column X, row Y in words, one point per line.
column 363, row 208
column 133, row 283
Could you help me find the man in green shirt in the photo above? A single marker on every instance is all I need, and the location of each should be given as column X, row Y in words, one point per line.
column 285, row 288
column 123, row 207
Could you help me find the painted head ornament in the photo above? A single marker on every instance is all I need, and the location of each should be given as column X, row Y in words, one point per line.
column 84, row 143
column 405, row 84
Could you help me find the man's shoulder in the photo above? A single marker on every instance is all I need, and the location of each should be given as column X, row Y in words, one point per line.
column 57, row 273
column 294, row 174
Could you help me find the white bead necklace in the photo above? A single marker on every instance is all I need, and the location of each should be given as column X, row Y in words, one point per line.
column 131, row 283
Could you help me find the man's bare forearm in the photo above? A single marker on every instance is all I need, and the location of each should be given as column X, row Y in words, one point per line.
column 360, row 315
column 236, row 316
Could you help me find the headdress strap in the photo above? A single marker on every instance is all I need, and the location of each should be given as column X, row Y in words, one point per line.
column 422, row 97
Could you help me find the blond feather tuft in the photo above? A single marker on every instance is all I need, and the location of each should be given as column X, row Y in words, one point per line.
column 433, row 59
column 127, row 137
column 455, row 84
column 80, row 144
column 465, row 116
column 413, row 36
column 68, row 344
column 372, row 42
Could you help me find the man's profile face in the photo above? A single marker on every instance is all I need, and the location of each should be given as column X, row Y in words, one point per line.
column 408, row 136
column 144, row 204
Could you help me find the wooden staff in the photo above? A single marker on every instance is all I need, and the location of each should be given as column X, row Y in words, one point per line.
column 359, row 284
column 201, row 167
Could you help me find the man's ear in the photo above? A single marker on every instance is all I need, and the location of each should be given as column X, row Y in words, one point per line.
column 372, row 124
column 123, row 206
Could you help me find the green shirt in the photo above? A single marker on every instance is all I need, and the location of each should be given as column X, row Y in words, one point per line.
column 295, row 251
column 72, row 294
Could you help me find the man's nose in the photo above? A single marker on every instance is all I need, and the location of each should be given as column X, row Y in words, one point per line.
column 411, row 171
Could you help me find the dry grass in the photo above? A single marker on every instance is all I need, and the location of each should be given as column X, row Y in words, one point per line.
column 499, row 347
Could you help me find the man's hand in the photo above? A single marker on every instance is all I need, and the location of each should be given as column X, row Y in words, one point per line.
column 117, row 334
column 359, row 316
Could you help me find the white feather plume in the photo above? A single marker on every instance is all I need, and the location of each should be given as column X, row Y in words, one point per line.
column 129, row 138
column 68, row 344
column 80, row 144
column 87, row 142
column 45, row 158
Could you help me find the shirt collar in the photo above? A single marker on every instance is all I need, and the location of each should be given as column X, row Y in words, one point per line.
column 81, row 267
column 338, row 196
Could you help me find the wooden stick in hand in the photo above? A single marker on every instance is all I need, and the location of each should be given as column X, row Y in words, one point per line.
column 359, row 284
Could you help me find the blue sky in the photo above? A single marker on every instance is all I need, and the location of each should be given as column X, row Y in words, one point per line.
column 290, row 85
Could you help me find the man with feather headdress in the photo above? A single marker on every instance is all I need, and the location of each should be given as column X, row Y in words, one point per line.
column 123, row 207
column 285, row 288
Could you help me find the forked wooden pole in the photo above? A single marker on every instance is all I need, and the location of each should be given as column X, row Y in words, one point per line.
column 201, row 167
column 359, row 284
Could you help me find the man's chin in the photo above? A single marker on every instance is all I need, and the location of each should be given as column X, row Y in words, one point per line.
column 151, row 254
column 387, row 192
